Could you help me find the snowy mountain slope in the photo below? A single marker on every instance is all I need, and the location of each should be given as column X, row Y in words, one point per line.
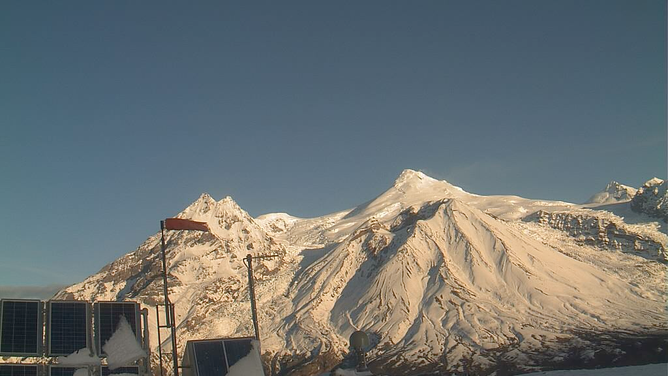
column 442, row 280
column 448, row 282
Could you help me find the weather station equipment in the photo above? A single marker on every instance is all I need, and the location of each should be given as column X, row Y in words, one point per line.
column 359, row 342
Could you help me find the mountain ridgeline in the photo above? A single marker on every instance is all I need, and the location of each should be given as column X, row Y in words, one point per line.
column 442, row 280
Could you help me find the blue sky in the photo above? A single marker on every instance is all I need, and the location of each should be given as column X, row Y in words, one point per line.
column 114, row 115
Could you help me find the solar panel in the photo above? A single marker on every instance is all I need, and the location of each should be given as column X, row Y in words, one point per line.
column 18, row 370
column 210, row 358
column 133, row 370
column 64, row 371
column 237, row 349
column 21, row 327
column 68, row 324
column 215, row 357
column 107, row 316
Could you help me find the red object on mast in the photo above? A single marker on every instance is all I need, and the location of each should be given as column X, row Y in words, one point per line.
column 185, row 224
column 170, row 317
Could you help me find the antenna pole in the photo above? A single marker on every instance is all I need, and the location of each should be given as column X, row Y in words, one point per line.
column 251, row 289
column 169, row 309
column 248, row 261
column 164, row 273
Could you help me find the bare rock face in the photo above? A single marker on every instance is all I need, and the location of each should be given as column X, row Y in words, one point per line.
column 652, row 199
column 598, row 231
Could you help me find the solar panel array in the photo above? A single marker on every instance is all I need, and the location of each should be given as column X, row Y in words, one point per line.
column 67, row 327
column 215, row 357
column 107, row 316
column 18, row 370
column 21, row 327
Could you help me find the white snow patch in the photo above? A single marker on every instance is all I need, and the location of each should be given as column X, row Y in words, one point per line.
column 81, row 357
column 122, row 348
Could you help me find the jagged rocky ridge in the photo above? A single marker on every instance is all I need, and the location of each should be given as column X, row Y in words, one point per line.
column 443, row 280
column 652, row 199
column 613, row 192
column 603, row 231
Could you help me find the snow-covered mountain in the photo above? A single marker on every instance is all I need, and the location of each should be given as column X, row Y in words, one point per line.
column 613, row 192
column 441, row 279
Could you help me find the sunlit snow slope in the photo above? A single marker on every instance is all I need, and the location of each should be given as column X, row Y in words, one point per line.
column 441, row 279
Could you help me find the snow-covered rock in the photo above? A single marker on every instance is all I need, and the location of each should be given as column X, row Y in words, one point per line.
column 652, row 199
column 613, row 192
column 605, row 231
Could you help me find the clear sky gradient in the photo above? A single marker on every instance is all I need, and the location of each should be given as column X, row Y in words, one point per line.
column 116, row 114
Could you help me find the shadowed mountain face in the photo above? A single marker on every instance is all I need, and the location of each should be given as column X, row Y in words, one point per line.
column 441, row 279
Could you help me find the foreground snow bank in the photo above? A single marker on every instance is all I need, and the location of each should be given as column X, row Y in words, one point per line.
column 646, row 370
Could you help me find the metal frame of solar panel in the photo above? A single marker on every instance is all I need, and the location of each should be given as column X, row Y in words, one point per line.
column 19, row 370
column 107, row 316
column 214, row 357
column 133, row 370
column 56, row 370
column 21, row 327
column 68, row 325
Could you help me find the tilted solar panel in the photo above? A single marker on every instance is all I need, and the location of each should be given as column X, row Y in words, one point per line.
column 68, row 324
column 210, row 358
column 18, row 370
column 237, row 349
column 214, row 357
column 21, row 327
column 107, row 316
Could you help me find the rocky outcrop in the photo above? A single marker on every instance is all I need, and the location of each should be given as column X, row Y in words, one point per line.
column 602, row 232
column 652, row 199
column 613, row 192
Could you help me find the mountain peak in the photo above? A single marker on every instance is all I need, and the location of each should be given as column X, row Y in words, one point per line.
column 652, row 182
column 613, row 192
column 412, row 178
column 203, row 204
column 205, row 197
column 228, row 200
column 228, row 203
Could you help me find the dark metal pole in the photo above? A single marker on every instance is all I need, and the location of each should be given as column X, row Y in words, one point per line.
column 157, row 318
column 169, row 309
column 251, row 289
column 164, row 273
column 175, row 355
